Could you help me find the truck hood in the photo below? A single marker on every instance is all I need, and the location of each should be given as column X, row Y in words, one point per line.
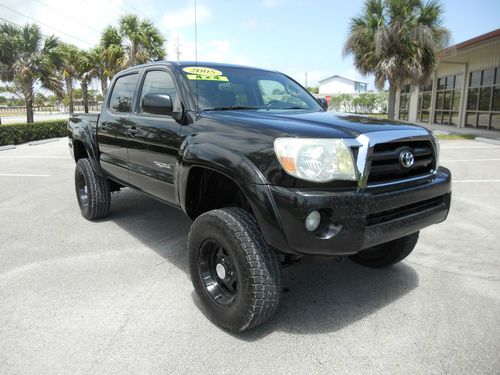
column 311, row 124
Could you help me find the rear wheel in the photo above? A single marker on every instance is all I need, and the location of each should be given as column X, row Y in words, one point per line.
column 92, row 191
column 235, row 274
column 388, row 253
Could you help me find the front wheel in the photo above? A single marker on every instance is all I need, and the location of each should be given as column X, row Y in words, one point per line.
column 234, row 272
column 388, row 253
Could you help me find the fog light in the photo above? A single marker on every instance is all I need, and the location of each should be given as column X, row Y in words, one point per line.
column 312, row 221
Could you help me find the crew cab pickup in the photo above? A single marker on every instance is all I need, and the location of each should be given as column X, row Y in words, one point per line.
column 266, row 172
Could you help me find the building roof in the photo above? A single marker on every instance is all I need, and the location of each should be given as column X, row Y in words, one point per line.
column 470, row 43
column 341, row 76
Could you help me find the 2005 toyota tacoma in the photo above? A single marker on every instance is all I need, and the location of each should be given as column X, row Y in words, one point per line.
column 265, row 171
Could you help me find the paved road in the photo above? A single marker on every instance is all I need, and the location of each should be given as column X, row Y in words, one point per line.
column 38, row 117
column 115, row 297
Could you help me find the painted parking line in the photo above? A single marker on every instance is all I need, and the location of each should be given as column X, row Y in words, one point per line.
column 33, row 157
column 23, row 175
column 468, row 147
column 460, row 160
column 467, row 181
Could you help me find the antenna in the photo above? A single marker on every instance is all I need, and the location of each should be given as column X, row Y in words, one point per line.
column 196, row 52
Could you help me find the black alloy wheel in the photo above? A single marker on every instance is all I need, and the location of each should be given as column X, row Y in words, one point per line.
column 218, row 272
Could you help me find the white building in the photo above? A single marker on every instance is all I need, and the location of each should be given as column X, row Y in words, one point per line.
column 338, row 84
column 464, row 90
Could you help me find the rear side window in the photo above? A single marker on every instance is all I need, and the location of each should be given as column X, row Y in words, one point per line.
column 123, row 93
column 159, row 82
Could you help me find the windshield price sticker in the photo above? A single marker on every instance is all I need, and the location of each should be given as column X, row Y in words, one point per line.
column 200, row 70
column 201, row 77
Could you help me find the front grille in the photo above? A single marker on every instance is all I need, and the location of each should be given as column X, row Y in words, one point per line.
column 386, row 166
column 401, row 212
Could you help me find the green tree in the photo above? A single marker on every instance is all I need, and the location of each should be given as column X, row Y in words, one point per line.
column 69, row 73
column 141, row 40
column 103, row 73
column 26, row 59
column 313, row 90
column 40, row 99
column 133, row 42
column 86, row 70
column 398, row 41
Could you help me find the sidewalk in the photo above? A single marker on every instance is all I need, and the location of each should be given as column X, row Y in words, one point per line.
column 481, row 133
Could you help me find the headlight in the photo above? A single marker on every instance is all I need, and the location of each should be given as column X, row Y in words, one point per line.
column 437, row 148
column 316, row 159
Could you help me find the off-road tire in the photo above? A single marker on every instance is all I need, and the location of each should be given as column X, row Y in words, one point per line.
column 98, row 201
column 256, row 266
column 388, row 253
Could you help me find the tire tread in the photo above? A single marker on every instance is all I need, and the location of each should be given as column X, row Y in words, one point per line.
column 98, row 190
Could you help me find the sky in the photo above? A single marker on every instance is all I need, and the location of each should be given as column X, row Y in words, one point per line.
column 290, row 36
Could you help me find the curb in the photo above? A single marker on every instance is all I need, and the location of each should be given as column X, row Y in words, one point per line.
column 488, row 140
column 7, row 147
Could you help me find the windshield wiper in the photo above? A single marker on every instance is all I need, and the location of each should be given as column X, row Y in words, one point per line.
column 289, row 108
column 230, row 108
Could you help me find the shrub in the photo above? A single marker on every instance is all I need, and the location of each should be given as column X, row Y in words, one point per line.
column 22, row 133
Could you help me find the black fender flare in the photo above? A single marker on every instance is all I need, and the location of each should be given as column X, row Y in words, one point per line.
column 244, row 174
column 86, row 133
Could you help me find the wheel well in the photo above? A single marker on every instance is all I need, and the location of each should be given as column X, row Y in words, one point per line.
column 79, row 150
column 208, row 190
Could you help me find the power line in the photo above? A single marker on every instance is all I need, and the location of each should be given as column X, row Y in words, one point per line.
column 145, row 15
column 19, row 26
column 44, row 24
column 12, row 23
column 137, row 10
column 67, row 16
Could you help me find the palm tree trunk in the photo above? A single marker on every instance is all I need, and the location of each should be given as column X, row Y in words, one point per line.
column 104, row 85
column 391, row 105
column 85, row 96
column 69, row 90
column 28, row 97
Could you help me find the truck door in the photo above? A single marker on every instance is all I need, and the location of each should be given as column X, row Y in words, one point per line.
column 154, row 139
column 113, row 127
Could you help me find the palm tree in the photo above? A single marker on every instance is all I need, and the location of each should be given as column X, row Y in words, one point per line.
column 398, row 41
column 133, row 42
column 26, row 58
column 109, row 56
column 86, row 70
column 142, row 41
column 68, row 71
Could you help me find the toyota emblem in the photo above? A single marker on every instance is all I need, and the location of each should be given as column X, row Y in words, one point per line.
column 406, row 159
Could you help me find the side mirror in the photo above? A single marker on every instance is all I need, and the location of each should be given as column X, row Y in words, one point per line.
column 157, row 104
column 322, row 102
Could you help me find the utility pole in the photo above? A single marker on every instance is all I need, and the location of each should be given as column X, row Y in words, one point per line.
column 306, row 80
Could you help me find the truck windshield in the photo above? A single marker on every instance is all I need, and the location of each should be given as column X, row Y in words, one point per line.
column 230, row 88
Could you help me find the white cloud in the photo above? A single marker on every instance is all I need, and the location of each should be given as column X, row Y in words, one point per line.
column 215, row 50
column 185, row 17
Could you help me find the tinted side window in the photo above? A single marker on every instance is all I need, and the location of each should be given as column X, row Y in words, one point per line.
column 159, row 82
column 123, row 93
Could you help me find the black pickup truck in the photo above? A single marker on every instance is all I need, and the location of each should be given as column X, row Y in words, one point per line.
column 265, row 171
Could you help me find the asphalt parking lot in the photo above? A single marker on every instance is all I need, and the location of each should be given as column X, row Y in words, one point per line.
column 115, row 296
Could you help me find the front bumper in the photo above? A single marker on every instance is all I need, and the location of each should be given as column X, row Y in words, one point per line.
column 356, row 220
